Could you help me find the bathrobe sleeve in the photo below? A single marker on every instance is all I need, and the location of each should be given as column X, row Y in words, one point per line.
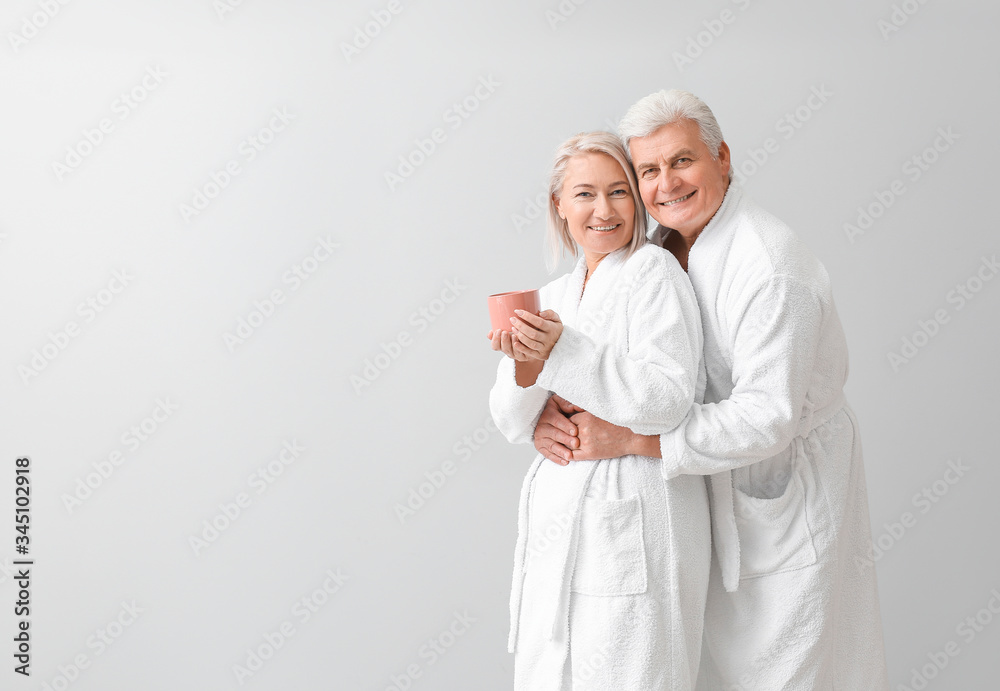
column 775, row 339
column 516, row 409
column 650, row 387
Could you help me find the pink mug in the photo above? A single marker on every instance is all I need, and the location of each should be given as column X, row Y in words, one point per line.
column 502, row 306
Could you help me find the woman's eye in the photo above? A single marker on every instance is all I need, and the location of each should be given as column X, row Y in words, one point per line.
column 618, row 193
column 583, row 194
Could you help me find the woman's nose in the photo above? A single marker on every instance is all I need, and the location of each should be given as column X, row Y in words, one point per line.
column 603, row 207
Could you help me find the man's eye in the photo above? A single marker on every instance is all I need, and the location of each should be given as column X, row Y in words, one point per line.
column 649, row 173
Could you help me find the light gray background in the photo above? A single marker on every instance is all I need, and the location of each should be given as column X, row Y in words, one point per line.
column 453, row 219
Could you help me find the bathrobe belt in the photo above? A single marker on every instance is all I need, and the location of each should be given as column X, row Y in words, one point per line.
column 724, row 532
column 558, row 599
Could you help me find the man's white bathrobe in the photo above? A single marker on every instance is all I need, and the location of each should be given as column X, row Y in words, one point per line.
column 792, row 601
column 611, row 564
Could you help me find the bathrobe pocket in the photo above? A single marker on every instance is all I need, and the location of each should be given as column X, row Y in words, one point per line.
column 611, row 556
column 774, row 533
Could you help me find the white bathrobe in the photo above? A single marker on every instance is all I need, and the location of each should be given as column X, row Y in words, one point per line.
column 792, row 600
column 611, row 564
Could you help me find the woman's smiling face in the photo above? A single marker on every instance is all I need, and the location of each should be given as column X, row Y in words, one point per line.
column 597, row 205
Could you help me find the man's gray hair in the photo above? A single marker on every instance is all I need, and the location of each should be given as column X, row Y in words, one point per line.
column 665, row 108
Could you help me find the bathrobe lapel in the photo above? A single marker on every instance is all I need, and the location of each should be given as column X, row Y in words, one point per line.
column 573, row 309
column 579, row 304
column 707, row 253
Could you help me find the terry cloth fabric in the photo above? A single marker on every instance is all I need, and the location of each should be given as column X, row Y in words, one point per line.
column 611, row 563
column 792, row 604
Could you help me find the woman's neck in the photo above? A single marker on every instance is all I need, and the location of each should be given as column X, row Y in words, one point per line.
column 592, row 261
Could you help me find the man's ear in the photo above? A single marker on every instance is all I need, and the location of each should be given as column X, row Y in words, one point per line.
column 724, row 158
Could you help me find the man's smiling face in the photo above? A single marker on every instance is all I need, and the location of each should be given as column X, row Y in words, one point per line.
column 679, row 180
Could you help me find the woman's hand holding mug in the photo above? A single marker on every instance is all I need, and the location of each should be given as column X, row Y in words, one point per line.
column 536, row 335
column 506, row 342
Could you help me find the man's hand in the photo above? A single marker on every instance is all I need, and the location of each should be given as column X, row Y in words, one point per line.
column 566, row 432
column 599, row 439
column 555, row 435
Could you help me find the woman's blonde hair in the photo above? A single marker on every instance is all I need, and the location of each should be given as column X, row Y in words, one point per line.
column 558, row 237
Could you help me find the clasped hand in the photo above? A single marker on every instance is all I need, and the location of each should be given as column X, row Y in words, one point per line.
column 566, row 432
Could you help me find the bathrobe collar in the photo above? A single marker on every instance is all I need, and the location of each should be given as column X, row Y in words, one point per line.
column 717, row 232
column 576, row 297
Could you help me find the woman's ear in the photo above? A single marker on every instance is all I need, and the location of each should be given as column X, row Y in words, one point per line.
column 555, row 200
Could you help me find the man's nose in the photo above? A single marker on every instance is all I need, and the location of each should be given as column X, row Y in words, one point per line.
column 668, row 180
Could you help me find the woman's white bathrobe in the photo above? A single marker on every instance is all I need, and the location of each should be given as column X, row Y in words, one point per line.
column 611, row 564
column 792, row 602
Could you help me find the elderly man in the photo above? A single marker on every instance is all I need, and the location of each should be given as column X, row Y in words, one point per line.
column 792, row 600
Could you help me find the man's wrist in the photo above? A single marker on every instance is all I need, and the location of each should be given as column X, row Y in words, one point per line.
column 646, row 445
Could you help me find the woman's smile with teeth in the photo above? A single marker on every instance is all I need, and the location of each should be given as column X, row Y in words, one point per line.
column 605, row 227
column 679, row 199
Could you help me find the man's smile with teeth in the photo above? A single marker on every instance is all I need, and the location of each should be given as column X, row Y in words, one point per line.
column 679, row 199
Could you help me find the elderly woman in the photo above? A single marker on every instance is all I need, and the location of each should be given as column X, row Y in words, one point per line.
column 611, row 565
